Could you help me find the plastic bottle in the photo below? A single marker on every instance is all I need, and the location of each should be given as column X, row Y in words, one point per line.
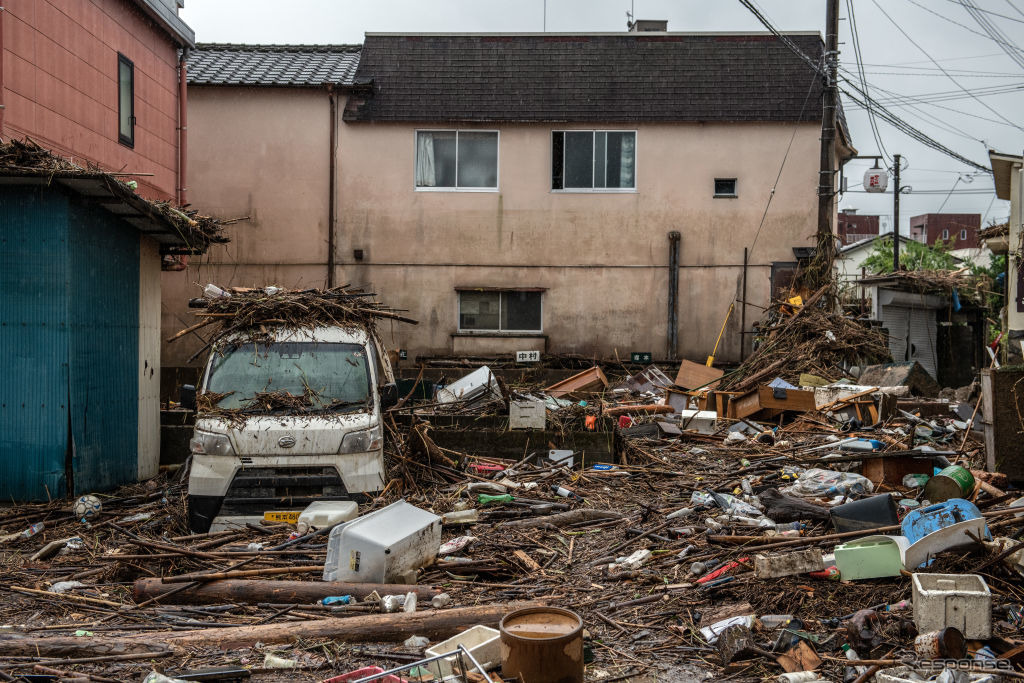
column 337, row 600
column 712, row 524
column 487, row 499
column 410, row 602
column 688, row 550
column 852, row 655
column 212, row 291
column 461, row 517
column 565, row 493
column 33, row 530
column 745, row 485
column 681, row 512
column 773, row 621
column 440, row 600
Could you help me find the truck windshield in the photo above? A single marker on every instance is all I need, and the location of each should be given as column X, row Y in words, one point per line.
column 333, row 377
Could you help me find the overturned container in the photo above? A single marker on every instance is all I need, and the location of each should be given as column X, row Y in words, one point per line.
column 384, row 546
column 542, row 645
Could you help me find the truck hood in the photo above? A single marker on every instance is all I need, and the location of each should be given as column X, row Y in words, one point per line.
column 264, row 434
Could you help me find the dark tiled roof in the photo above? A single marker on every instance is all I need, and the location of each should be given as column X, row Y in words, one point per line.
column 272, row 65
column 587, row 77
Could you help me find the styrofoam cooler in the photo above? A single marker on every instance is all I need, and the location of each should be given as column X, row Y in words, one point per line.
column 383, row 546
column 483, row 642
column 962, row 601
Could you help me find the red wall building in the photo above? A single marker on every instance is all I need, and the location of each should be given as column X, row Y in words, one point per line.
column 851, row 227
column 74, row 73
column 962, row 228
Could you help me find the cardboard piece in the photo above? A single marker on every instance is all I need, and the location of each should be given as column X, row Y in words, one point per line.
column 693, row 375
column 588, row 381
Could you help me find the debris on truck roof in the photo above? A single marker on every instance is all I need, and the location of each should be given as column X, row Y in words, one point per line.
column 251, row 313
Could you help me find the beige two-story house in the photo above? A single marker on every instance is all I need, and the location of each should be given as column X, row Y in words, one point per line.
column 518, row 191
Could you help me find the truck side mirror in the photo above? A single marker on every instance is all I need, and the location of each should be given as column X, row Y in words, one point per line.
column 388, row 395
column 187, row 396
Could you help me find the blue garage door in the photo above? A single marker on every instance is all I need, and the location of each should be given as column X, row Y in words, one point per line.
column 103, row 348
column 33, row 343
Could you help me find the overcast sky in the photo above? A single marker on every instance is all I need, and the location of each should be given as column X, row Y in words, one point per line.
column 932, row 63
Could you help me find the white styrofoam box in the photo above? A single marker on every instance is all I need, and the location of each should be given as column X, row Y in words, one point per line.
column 562, row 456
column 383, row 546
column 907, row 674
column 701, row 421
column 477, row 385
column 483, row 642
column 962, row 601
column 527, row 415
column 324, row 513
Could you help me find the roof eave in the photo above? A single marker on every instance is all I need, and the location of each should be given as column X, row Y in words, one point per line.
column 134, row 210
column 181, row 32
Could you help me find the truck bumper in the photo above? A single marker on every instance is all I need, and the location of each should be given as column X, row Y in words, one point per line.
column 232, row 485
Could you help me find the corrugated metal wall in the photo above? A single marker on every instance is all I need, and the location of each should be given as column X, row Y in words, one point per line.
column 149, row 358
column 103, row 313
column 34, row 343
column 916, row 325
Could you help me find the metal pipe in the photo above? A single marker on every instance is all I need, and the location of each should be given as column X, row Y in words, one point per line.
column 673, row 294
column 331, row 208
column 182, row 127
column 743, row 311
column 3, row 10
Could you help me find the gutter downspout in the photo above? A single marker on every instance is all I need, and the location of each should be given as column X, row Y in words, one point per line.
column 3, row 10
column 331, row 208
column 182, row 128
column 673, row 294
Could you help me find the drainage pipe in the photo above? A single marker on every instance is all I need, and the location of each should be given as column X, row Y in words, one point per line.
column 673, row 294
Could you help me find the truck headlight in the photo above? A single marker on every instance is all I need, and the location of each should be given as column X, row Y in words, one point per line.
column 208, row 443
column 362, row 441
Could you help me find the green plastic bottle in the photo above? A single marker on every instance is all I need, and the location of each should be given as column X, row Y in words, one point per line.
column 487, row 499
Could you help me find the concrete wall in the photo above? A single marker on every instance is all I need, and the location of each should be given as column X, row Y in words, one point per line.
column 261, row 154
column 59, row 85
column 601, row 258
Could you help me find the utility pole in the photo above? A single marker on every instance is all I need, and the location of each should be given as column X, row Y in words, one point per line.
column 896, row 214
column 826, row 174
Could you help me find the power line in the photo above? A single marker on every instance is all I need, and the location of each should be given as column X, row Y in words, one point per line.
column 925, row 53
column 952, row 21
column 909, row 103
column 884, row 113
column 864, row 80
column 993, row 31
column 912, row 132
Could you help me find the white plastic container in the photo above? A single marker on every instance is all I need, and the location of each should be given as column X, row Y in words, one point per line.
column 476, row 386
column 384, row 546
column 324, row 513
column 962, row 601
column 483, row 642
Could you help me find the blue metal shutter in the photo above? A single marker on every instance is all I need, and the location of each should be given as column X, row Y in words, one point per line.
column 103, row 311
column 33, row 343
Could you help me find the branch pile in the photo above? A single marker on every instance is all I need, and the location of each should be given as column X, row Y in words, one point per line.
column 27, row 158
column 815, row 339
column 253, row 313
column 967, row 285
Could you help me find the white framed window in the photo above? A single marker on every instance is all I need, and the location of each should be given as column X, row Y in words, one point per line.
column 500, row 310
column 945, row 234
column 963, row 234
column 451, row 160
column 725, row 187
column 593, row 160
